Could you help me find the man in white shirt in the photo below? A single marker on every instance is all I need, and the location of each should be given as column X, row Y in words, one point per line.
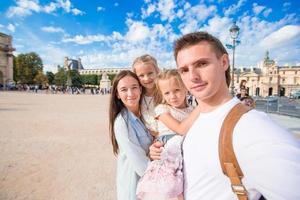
column 268, row 155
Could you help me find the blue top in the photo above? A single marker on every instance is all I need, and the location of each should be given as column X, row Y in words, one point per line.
column 134, row 140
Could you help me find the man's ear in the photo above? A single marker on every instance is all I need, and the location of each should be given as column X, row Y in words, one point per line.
column 118, row 96
column 225, row 61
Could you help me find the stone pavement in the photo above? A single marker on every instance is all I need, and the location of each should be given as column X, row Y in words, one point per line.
column 290, row 123
column 56, row 146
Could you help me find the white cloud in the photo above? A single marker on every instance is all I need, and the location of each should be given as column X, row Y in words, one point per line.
column 195, row 16
column 166, row 9
column 23, row 8
column 27, row 7
column 76, row 11
column 286, row 5
column 52, row 29
column 138, row 31
column 50, row 8
column 234, row 8
column 79, row 39
column 11, row 27
column 116, row 4
column 99, row 8
column 257, row 9
column 1, row 26
column 267, row 12
column 283, row 36
column 147, row 12
column 65, row 5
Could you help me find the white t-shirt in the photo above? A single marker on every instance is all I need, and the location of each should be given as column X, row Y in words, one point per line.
column 268, row 155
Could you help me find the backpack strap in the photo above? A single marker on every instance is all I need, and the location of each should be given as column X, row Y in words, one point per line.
column 229, row 163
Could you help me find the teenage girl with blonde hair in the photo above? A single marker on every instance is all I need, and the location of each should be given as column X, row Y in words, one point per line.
column 146, row 68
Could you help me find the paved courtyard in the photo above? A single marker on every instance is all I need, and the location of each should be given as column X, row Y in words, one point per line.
column 56, row 147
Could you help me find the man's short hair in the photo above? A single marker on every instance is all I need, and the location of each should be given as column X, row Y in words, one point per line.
column 197, row 37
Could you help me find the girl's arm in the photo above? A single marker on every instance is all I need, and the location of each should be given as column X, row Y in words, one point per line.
column 134, row 152
column 179, row 127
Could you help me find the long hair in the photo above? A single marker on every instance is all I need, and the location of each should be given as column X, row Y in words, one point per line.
column 192, row 39
column 116, row 105
column 165, row 75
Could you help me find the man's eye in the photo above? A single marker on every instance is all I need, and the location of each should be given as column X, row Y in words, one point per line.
column 201, row 64
column 182, row 71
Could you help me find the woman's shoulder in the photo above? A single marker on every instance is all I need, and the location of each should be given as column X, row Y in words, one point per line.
column 121, row 117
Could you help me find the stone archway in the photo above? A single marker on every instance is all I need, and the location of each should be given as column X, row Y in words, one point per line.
column 257, row 91
column 270, row 91
column 1, row 79
column 282, row 91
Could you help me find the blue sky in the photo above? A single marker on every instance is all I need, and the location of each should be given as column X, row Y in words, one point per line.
column 111, row 33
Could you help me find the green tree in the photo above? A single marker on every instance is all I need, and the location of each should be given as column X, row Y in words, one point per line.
column 111, row 76
column 60, row 78
column 41, row 79
column 90, row 79
column 26, row 67
column 76, row 78
column 50, row 77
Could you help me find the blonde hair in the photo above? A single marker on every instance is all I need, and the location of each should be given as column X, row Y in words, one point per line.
column 145, row 59
column 165, row 75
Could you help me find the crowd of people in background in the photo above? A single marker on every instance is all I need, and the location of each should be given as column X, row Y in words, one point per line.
column 54, row 89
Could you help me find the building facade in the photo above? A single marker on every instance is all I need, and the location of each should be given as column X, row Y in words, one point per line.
column 102, row 71
column 6, row 59
column 268, row 79
column 72, row 64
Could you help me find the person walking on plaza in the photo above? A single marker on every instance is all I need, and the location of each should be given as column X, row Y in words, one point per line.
column 146, row 69
column 268, row 155
column 130, row 138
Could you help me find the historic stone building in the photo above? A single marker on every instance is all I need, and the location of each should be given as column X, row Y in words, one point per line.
column 102, row 71
column 6, row 59
column 72, row 64
column 268, row 79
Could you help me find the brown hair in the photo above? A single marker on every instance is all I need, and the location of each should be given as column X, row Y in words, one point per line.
column 242, row 84
column 116, row 105
column 194, row 38
column 164, row 75
column 145, row 59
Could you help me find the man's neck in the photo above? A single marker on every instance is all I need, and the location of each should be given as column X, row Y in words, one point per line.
column 210, row 104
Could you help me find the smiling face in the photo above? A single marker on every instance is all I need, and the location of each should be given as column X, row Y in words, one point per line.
column 129, row 92
column 173, row 92
column 202, row 72
column 147, row 74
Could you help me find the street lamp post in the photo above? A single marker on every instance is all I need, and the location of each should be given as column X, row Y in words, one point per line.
column 234, row 32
